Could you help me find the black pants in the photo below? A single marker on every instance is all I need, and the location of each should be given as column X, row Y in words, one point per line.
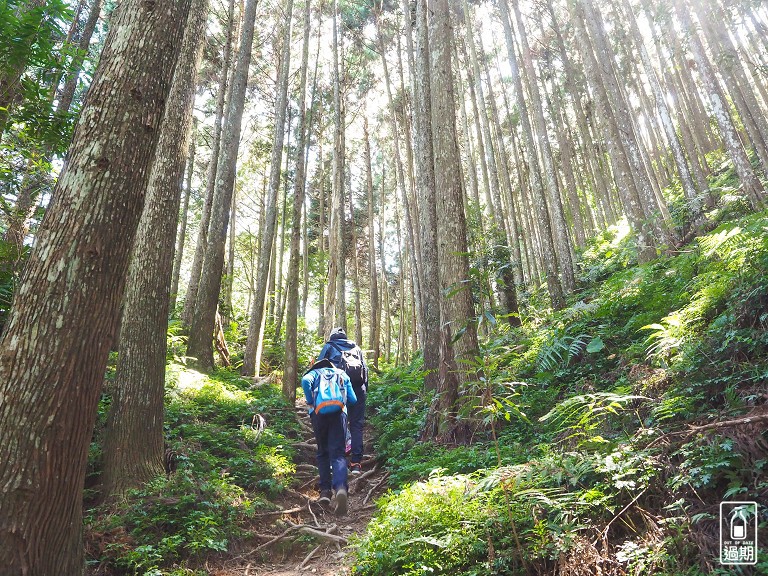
column 329, row 434
column 356, row 414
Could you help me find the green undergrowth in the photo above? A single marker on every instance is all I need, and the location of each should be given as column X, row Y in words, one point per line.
column 597, row 467
column 227, row 455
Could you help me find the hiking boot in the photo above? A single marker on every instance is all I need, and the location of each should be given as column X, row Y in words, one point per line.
column 325, row 497
column 341, row 502
column 355, row 469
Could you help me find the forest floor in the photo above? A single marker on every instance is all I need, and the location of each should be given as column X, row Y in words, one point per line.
column 303, row 536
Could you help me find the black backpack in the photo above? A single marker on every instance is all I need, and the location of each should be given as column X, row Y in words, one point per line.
column 352, row 363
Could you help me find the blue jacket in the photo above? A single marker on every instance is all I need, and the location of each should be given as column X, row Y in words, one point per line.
column 309, row 380
column 332, row 353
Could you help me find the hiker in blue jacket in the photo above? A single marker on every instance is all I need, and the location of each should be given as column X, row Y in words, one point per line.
column 328, row 391
column 348, row 356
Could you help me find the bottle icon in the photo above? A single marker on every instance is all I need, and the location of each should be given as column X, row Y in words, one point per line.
column 738, row 527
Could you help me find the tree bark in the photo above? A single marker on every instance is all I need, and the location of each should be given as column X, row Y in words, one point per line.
column 182, row 234
column 622, row 171
column 459, row 347
column 291, row 371
column 559, row 227
column 335, row 304
column 54, row 349
column 70, row 86
column 204, row 320
column 223, row 97
column 374, row 333
column 686, row 178
column 356, row 273
column 548, row 248
column 133, row 439
column 402, row 183
column 250, row 367
column 749, row 180
column 480, row 144
column 731, row 70
column 425, row 186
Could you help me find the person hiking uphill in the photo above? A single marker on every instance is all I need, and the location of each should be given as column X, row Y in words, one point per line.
column 348, row 356
column 328, row 390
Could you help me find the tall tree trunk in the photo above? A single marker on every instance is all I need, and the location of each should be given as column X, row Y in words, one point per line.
column 459, row 345
column 355, row 273
column 425, row 185
column 402, row 183
column 70, row 86
column 749, row 180
column 54, row 348
column 322, row 326
column 466, row 135
column 537, row 189
column 204, row 319
column 291, row 370
column 386, row 313
column 591, row 161
column 133, row 439
column 374, row 334
column 507, row 202
column 411, row 207
column 402, row 328
column 224, row 96
column 335, row 305
column 686, row 179
column 182, row 234
column 731, row 70
column 250, row 367
column 560, row 128
column 622, row 171
column 280, row 247
column 305, row 208
column 654, row 208
column 229, row 269
column 481, row 149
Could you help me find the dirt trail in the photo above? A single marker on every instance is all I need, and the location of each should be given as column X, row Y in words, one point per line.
column 305, row 537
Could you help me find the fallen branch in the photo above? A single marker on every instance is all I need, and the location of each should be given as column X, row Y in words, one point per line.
column 307, row 483
column 370, row 472
column 375, row 486
column 322, row 535
column 308, row 558
column 731, row 423
column 295, row 494
column 604, row 533
column 277, row 538
column 220, row 342
column 312, row 512
column 281, row 511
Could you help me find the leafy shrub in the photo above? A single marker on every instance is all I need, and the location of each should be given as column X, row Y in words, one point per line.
column 621, row 394
column 430, row 527
column 606, row 253
column 182, row 515
column 228, row 444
